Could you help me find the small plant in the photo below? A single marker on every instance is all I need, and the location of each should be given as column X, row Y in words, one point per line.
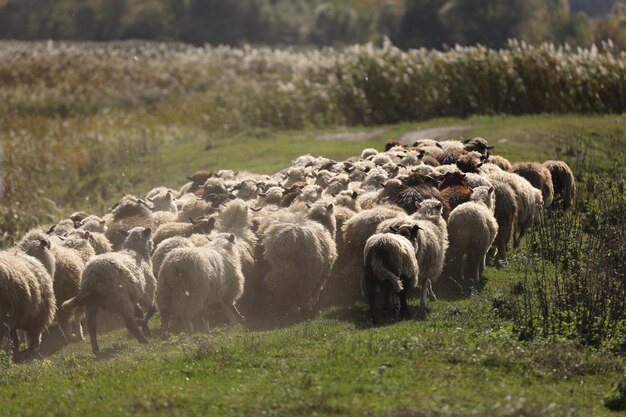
column 616, row 399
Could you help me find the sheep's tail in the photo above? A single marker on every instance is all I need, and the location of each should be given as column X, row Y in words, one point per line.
column 78, row 301
column 382, row 273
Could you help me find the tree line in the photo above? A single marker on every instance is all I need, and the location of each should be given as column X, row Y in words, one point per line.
column 408, row 23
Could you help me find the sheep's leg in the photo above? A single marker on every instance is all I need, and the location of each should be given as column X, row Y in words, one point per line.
column 370, row 289
column 128, row 314
column 92, row 315
column 474, row 262
column 187, row 324
column 238, row 314
column 150, row 313
column 15, row 342
column 78, row 316
column 63, row 319
column 228, row 312
column 403, row 306
column 140, row 320
column 424, row 297
column 165, row 321
column 501, row 260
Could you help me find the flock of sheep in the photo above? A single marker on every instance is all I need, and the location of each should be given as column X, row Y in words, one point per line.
column 319, row 232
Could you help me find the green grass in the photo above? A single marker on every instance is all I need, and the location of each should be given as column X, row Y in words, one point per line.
column 463, row 360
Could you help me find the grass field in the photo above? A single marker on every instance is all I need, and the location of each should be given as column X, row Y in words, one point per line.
column 464, row 359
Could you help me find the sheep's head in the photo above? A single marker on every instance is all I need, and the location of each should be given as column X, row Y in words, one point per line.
column 139, row 240
column 323, row 212
column 485, row 195
column 429, row 209
column 198, row 178
column 451, row 179
column 37, row 244
column 392, row 144
column 407, row 231
column 130, row 206
column 202, row 225
column 470, row 162
column 479, row 145
column 162, row 202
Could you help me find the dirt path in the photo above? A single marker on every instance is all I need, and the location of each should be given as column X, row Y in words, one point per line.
column 352, row 136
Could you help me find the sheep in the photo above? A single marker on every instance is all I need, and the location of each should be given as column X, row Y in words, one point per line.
column 452, row 150
column 432, row 242
column 500, row 161
column 78, row 240
column 472, row 228
column 356, row 231
column 190, row 206
column 506, row 213
column 299, row 250
column 247, row 189
column 235, row 218
column 539, row 177
column 67, row 275
column 62, row 228
column 92, row 224
column 529, row 199
column 418, row 188
column 120, row 282
column 128, row 213
column 453, row 189
column 183, row 229
column 196, row 180
column 367, row 152
column 27, row 299
column 194, row 278
column 563, row 182
column 390, row 263
column 479, row 145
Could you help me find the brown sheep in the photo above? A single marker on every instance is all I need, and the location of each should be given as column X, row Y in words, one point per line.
column 563, row 183
column 539, row 177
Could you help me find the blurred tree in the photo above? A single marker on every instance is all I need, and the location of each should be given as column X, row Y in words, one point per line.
column 146, row 20
column 333, row 23
column 592, row 7
column 421, row 26
column 575, row 29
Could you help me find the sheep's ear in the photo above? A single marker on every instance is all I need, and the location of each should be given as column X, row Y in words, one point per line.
column 211, row 221
column 168, row 195
column 393, row 229
column 231, row 238
column 307, row 205
column 149, row 199
column 191, row 220
column 51, row 229
column 116, row 205
column 418, row 205
column 330, row 206
column 77, row 224
column 421, row 154
column 354, row 195
column 489, row 147
column 263, row 194
column 44, row 243
column 438, row 145
column 146, row 232
column 458, row 164
column 124, row 233
column 491, row 189
column 439, row 205
column 87, row 235
column 333, row 194
column 463, row 175
column 416, row 143
column 414, row 230
column 367, row 169
column 471, row 189
column 464, row 141
column 432, row 181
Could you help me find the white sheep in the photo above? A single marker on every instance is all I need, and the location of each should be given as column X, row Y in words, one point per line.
column 27, row 299
column 120, row 282
column 192, row 279
column 299, row 251
column 472, row 228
